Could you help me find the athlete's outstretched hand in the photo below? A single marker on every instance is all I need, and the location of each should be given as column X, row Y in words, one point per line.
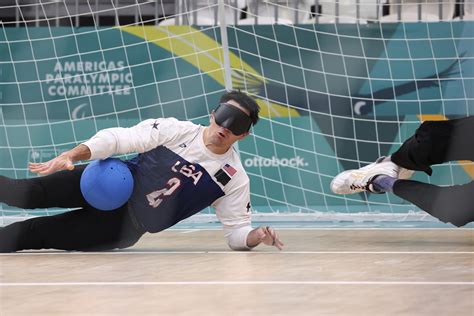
column 61, row 162
column 65, row 161
column 266, row 235
column 271, row 237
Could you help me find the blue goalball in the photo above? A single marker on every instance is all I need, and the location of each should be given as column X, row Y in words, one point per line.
column 107, row 184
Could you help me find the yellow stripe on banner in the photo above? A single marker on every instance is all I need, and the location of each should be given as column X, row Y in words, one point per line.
column 270, row 109
column 186, row 42
column 467, row 165
column 206, row 54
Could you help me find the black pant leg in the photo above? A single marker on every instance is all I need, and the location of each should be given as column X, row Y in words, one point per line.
column 82, row 229
column 453, row 204
column 60, row 189
column 437, row 142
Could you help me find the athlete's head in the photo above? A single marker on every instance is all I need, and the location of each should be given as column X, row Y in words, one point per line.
column 231, row 120
column 245, row 101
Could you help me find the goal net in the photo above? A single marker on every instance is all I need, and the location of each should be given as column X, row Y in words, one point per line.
column 339, row 84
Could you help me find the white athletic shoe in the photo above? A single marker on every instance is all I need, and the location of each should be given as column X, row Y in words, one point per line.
column 360, row 180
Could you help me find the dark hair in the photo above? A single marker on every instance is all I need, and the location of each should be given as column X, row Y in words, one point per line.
column 244, row 100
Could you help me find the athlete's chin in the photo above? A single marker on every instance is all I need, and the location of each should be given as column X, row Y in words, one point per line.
column 219, row 141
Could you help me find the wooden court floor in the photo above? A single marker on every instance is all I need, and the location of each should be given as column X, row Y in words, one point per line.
column 192, row 272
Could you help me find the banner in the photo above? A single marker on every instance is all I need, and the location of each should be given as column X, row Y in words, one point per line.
column 333, row 97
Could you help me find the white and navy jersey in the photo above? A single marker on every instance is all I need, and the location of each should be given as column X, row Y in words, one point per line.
column 176, row 176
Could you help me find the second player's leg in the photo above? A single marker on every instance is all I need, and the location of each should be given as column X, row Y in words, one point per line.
column 453, row 204
column 437, row 142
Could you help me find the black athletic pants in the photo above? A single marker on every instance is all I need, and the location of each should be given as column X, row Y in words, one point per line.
column 84, row 229
column 437, row 142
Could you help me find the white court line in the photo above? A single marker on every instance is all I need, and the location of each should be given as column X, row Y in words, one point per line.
column 19, row 284
column 75, row 253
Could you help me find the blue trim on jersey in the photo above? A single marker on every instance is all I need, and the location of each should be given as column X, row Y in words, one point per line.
column 190, row 189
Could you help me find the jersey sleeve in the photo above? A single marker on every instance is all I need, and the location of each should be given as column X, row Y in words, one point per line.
column 140, row 138
column 233, row 211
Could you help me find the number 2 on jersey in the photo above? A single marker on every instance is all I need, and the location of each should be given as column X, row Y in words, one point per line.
column 156, row 197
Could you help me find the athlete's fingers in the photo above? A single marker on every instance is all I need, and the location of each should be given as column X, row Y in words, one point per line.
column 37, row 167
column 41, row 166
column 42, row 169
column 275, row 240
column 278, row 243
column 52, row 167
column 57, row 164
